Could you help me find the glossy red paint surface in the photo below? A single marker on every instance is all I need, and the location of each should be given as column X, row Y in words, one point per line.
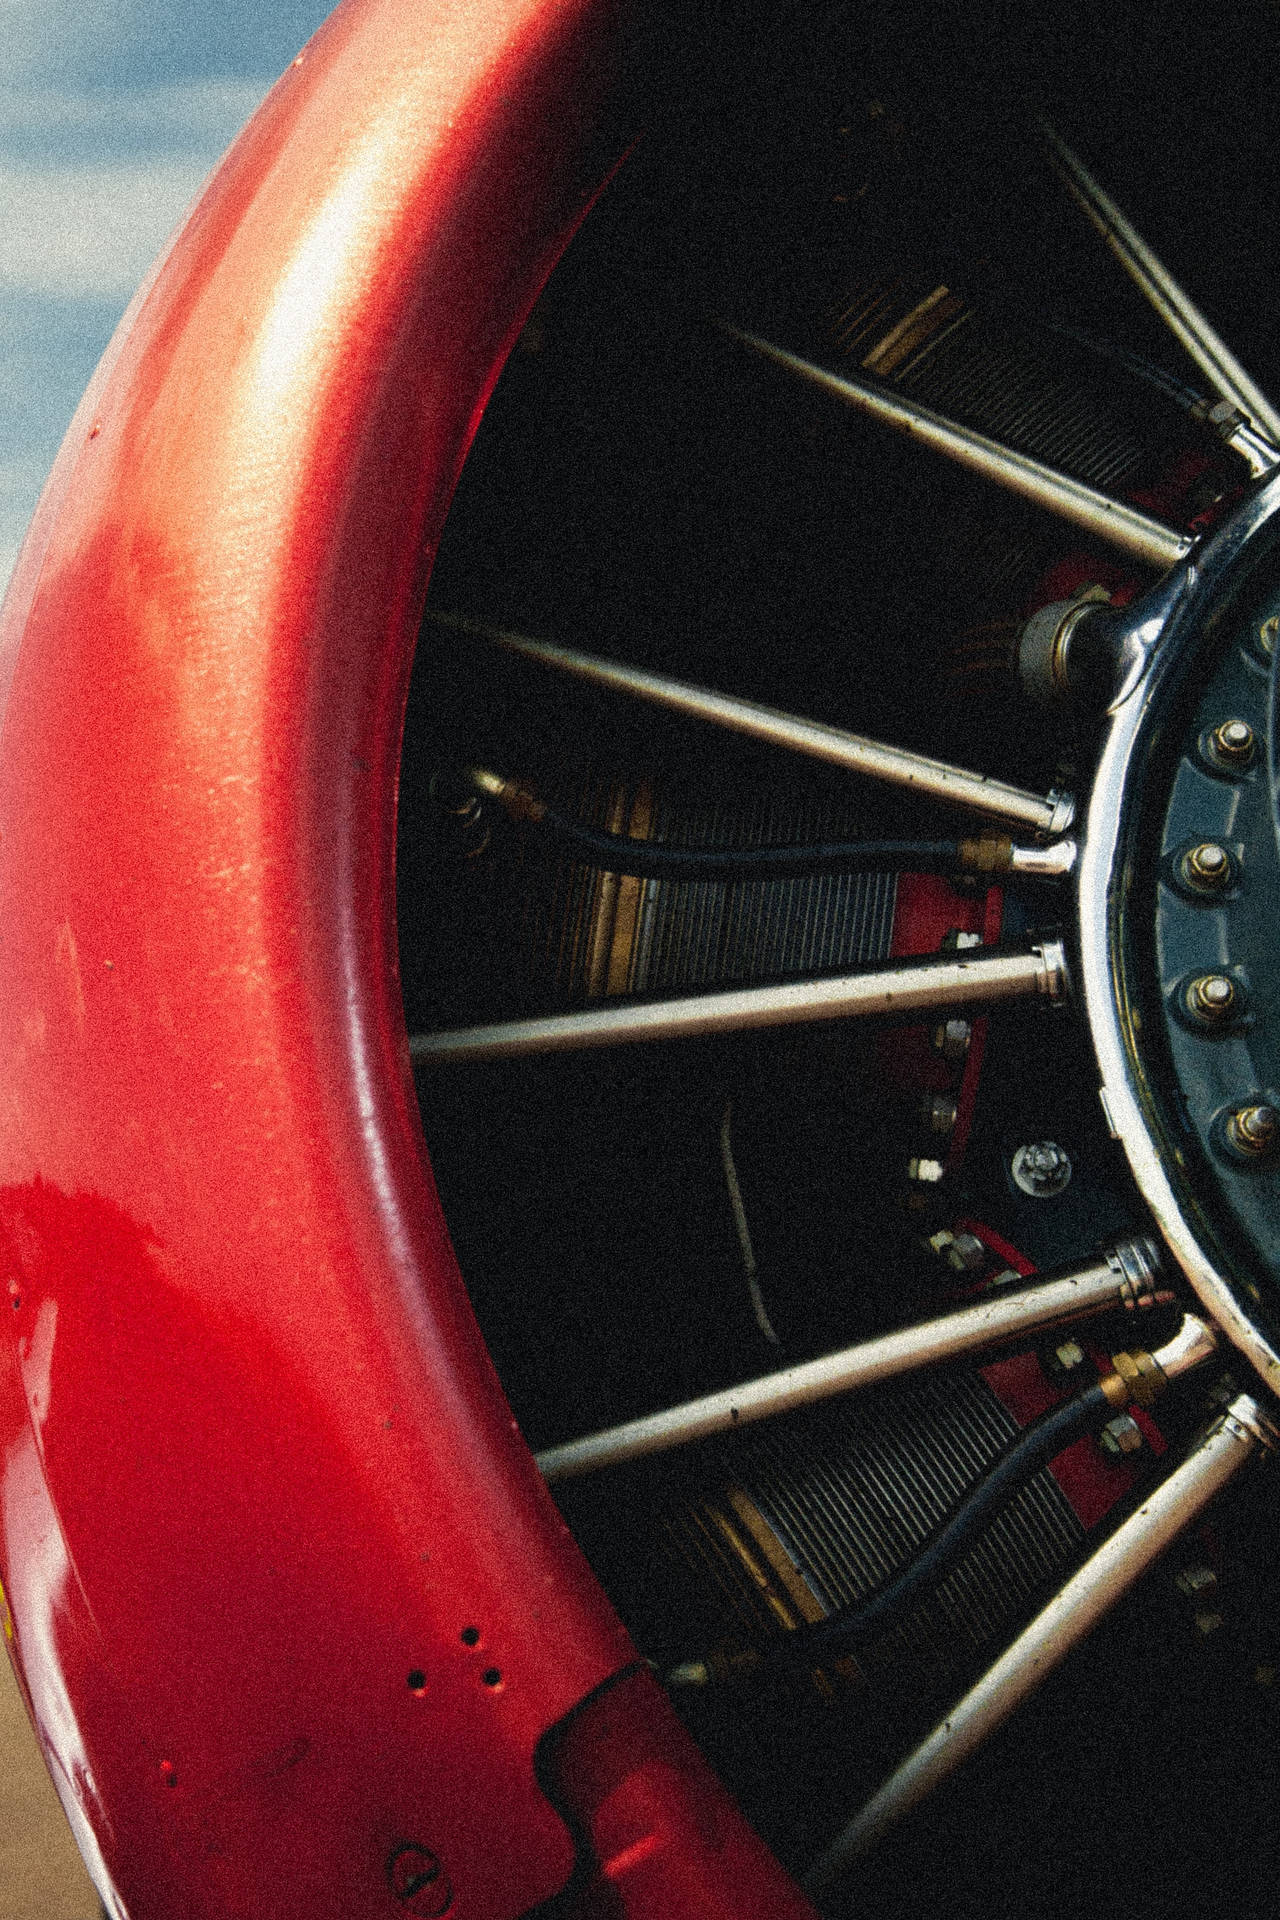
column 258, row 1484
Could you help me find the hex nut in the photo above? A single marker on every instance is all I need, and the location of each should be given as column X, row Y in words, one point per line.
column 926, row 1172
column 1196, row 1581
column 966, row 1253
column 1063, row 1360
column 952, row 1039
column 1212, row 998
column 1207, row 868
column 1233, row 744
column 1253, row 1130
column 1121, row 1436
column 938, row 1111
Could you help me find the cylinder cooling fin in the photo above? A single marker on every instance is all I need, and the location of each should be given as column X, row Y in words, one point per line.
column 842, row 493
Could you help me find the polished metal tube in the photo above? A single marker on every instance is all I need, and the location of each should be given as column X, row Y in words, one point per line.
column 1180, row 314
column 1111, row 520
column 1104, row 1578
column 1044, row 814
column 907, row 991
column 1006, row 1313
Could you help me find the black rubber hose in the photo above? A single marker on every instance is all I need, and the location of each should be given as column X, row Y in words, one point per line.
column 659, row 860
column 1033, row 1449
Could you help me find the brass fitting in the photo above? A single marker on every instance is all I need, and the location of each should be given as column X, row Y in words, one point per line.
column 994, row 855
column 520, row 802
column 1141, row 1377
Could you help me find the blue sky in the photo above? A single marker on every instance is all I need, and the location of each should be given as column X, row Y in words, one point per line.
column 111, row 114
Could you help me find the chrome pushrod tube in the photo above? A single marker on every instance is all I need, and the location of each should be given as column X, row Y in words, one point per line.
column 1183, row 319
column 906, row 991
column 1044, row 814
column 1072, row 1614
column 1111, row 520
column 1007, row 1313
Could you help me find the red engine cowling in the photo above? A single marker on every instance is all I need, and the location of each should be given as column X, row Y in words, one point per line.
column 291, row 1608
column 299, row 1626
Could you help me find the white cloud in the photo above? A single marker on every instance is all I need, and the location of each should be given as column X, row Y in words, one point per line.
column 192, row 115
column 21, row 479
column 92, row 184
column 39, row 35
column 89, row 232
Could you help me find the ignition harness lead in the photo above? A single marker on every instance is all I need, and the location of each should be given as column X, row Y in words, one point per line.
column 657, row 860
column 1139, row 1377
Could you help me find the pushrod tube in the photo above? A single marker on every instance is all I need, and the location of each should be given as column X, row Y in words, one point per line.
column 1004, row 1314
column 1043, row 814
column 1179, row 313
column 915, row 988
column 1069, row 1617
column 1111, row 520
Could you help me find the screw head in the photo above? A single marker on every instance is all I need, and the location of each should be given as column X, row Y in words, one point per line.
column 1121, row 1436
column 1041, row 1168
column 1233, row 743
column 1254, row 1129
column 1212, row 998
column 1207, row 867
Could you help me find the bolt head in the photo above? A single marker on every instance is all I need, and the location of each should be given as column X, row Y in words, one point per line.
column 1041, row 1168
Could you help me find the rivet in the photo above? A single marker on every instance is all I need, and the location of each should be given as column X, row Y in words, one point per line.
column 1253, row 1129
column 1233, row 742
column 1212, row 998
column 1207, row 867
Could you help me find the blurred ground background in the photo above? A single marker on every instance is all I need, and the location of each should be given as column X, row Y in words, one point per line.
column 41, row 1874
